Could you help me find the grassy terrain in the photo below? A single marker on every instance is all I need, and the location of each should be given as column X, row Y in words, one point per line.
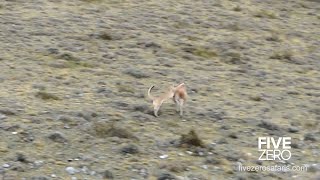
column 74, row 76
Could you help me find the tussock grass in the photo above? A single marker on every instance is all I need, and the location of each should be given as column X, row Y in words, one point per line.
column 265, row 14
column 282, row 55
column 237, row 8
column 47, row 96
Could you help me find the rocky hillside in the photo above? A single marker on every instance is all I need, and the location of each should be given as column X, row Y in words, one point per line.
column 74, row 76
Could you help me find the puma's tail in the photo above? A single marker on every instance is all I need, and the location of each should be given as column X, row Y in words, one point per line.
column 149, row 95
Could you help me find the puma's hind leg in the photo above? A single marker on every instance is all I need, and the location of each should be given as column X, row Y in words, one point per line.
column 177, row 103
column 181, row 103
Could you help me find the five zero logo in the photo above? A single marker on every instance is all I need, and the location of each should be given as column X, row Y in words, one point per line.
column 272, row 149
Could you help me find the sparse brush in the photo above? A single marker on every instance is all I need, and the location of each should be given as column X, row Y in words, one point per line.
column 68, row 57
column 274, row 37
column 266, row 14
column 105, row 36
column 234, row 27
column 104, row 129
column 232, row 57
column 237, row 8
column 191, row 139
column 91, row 1
column 255, row 98
column 47, row 96
column 202, row 52
column 125, row 88
column 282, row 55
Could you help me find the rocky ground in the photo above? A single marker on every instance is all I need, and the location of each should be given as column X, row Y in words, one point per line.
column 74, row 76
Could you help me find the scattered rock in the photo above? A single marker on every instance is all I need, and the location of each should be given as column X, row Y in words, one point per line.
column 293, row 129
column 7, row 111
column 165, row 156
column 104, row 90
column 295, row 145
column 222, row 141
column 72, row 170
column 107, row 174
column 175, row 167
column 213, row 160
column 268, row 125
column 197, row 176
column 313, row 167
column 3, row 147
column 68, row 57
column 129, row 149
column 315, row 111
column 310, row 137
column 2, row 116
column 258, row 162
column 26, row 136
column 216, row 115
column 64, row 118
column 18, row 167
column 233, row 135
column 6, row 165
column 87, row 115
column 60, row 63
column 166, row 176
column 232, row 57
column 40, row 178
column 144, row 117
column 22, row 158
column 225, row 127
column 141, row 107
column 57, row 137
column 232, row 155
column 53, row 51
column 39, row 86
column 121, row 105
column 136, row 73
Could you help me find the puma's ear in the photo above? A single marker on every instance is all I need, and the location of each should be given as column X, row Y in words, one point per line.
column 181, row 85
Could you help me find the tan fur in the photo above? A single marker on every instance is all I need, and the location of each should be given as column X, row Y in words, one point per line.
column 178, row 94
column 157, row 101
column 180, row 97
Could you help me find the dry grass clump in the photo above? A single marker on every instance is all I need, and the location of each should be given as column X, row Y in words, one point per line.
column 274, row 37
column 105, row 36
column 265, row 14
column 47, row 96
column 191, row 139
column 104, row 129
column 282, row 55
column 237, row 8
